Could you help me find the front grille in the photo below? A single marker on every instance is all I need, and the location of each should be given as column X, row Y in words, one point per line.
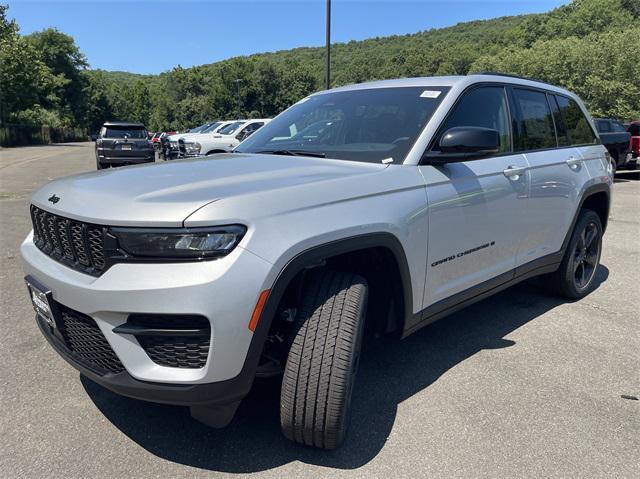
column 76, row 244
column 187, row 346
column 86, row 343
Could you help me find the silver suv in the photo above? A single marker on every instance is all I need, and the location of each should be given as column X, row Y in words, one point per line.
column 182, row 282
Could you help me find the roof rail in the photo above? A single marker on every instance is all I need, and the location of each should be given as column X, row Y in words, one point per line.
column 509, row 76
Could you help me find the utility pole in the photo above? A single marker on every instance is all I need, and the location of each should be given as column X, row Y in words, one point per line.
column 238, row 81
column 328, row 48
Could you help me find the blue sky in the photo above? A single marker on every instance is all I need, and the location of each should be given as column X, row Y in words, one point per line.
column 155, row 36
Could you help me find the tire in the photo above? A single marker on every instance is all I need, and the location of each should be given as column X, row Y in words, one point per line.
column 323, row 360
column 574, row 279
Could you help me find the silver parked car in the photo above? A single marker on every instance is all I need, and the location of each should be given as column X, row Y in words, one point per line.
column 182, row 282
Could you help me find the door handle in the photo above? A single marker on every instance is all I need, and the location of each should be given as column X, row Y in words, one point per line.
column 513, row 172
column 574, row 162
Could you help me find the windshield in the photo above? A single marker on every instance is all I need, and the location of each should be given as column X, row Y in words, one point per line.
column 231, row 127
column 211, row 127
column 369, row 125
column 123, row 131
column 198, row 129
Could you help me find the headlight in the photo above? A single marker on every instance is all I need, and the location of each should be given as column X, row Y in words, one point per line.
column 188, row 243
column 192, row 147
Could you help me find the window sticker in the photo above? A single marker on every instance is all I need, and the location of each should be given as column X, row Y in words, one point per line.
column 430, row 94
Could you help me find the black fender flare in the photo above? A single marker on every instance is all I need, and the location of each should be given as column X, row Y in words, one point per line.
column 589, row 191
column 315, row 255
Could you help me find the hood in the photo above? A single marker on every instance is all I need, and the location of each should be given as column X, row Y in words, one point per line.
column 165, row 194
column 177, row 136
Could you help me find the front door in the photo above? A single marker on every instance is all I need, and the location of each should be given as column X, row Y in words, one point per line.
column 477, row 209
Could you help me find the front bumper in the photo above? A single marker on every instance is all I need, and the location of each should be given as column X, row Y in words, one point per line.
column 224, row 291
column 218, row 393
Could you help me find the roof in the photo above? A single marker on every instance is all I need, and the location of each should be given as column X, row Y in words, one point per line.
column 451, row 81
column 123, row 123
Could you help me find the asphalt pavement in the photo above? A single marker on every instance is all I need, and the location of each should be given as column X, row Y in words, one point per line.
column 519, row 385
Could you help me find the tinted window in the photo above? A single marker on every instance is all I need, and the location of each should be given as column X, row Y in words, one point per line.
column 634, row 129
column 484, row 107
column 603, row 126
column 580, row 132
column 211, row 127
column 123, row 131
column 370, row 125
column 249, row 130
column 561, row 127
column 230, row 128
column 535, row 123
column 618, row 127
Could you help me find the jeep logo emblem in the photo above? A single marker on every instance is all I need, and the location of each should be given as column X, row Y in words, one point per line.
column 54, row 199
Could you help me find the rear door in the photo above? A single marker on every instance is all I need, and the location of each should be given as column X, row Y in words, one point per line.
column 557, row 170
column 477, row 209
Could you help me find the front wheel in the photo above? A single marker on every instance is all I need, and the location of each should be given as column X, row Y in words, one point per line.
column 323, row 360
column 574, row 279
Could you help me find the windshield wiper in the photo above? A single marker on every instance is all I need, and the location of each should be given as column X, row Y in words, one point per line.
column 314, row 154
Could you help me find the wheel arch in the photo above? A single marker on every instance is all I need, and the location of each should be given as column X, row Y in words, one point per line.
column 315, row 256
column 382, row 242
column 596, row 197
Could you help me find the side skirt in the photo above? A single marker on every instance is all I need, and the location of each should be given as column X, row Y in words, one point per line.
column 447, row 306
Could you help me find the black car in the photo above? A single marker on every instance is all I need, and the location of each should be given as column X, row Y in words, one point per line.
column 122, row 143
column 616, row 139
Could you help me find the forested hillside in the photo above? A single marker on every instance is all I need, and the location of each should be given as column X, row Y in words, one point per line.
column 588, row 46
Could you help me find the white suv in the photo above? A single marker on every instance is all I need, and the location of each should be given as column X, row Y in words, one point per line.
column 182, row 282
column 224, row 140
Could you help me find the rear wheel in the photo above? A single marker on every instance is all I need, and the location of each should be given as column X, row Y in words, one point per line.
column 323, row 360
column 575, row 276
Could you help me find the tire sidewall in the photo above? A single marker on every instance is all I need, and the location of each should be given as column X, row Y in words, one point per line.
column 585, row 218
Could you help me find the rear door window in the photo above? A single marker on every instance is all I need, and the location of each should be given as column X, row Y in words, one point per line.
column 484, row 107
column 535, row 122
column 578, row 127
column 558, row 120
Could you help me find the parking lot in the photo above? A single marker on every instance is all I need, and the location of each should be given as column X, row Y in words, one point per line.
column 519, row 385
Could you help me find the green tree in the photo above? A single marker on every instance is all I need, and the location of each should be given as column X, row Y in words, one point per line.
column 26, row 84
column 64, row 60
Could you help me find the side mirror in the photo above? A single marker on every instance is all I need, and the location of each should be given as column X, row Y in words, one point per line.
column 465, row 143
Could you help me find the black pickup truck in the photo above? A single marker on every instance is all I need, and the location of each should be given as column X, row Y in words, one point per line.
column 616, row 139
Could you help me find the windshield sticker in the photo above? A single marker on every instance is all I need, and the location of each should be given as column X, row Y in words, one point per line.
column 430, row 94
column 387, row 161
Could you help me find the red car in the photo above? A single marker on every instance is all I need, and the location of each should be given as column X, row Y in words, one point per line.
column 634, row 129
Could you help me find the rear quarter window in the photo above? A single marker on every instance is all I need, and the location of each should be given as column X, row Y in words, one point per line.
column 578, row 127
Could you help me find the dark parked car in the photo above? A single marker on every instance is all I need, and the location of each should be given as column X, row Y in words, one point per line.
column 634, row 131
column 122, row 143
column 616, row 139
